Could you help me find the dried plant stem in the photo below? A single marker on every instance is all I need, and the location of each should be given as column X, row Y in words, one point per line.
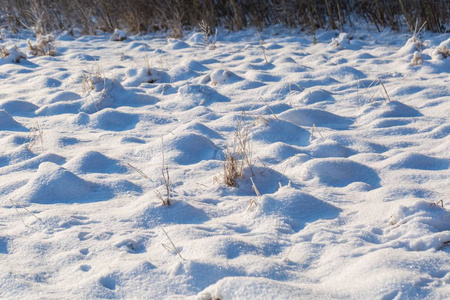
column 15, row 204
column 137, row 170
column 171, row 242
column 166, row 181
column 385, row 91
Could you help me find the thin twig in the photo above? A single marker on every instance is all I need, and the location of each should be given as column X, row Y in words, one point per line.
column 265, row 166
column 255, row 189
column 269, row 107
column 166, row 179
column 387, row 95
column 314, row 129
column 137, row 170
column 14, row 203
column 173, row 245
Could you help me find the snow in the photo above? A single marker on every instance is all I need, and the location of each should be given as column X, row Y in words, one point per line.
column 346, row 195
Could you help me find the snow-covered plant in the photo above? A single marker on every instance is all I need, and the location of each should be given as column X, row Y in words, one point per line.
column 417, row 59
column 238, row 156
column 13, row 54
column 219, row 76
column 417, row 36
column 99, row 89
column 119, row 35
column 341, row 41
column 416, row 39
column 444, row 51
column 44, row 45
column 91, row 78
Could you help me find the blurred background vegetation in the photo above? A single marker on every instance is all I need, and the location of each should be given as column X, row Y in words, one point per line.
column 44, row 16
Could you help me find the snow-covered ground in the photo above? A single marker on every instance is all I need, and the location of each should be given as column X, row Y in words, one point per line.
column 348, row 140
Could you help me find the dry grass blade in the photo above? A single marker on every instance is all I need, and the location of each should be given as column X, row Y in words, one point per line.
column 313, row 131
column 268, row 107
column 439, row 203
column 232, row 168
column 137, row 170
column 254, row 188
column 15, row 205
column 258, row 194
column 166, row 200
column 239, row 156
column 35, row 135
column 174, row 248
column 264, row 165
column 385, row 90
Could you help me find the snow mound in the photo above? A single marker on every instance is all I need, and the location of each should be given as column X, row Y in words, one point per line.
column 63, row 96
column 8, row 123
column 308, row 117
column 179, row 212
column 136, row 77
column 411, row 46
column 344, row 73
column 82, row 57
column 221, row 76
column 187, row 70
column 18, row 107
column 54, row 184
column 338, row 172
column 416, row 161
column 94, row 162
column 119, row 35
column 199, row 128
column 173, row 44
column 41, row 82
column 340, row 42
column 104, row 93
column 30, row 162
column 248, row 287
column 328, row 148
column 19, row 154
column 315, row 95
column 111, row 119
column 395, row 109
column 278, row 152
column 392, row 109
column 101, row 93
column 191, row 148
column 295, row 208
column 137, row 46
column 196, row 38
column 192, row 95
column 261, row 76
column 442, row 51
column 11, row 54
column 280, row 131
column 420, row 227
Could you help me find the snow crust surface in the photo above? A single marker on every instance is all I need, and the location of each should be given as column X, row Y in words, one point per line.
column 347, row 195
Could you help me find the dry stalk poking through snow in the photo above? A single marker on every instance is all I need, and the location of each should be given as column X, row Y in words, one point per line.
column 206, row 29
column 237, row 157
column 166, row 180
